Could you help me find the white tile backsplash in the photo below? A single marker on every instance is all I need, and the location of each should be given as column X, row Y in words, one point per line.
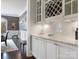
column 57, row 27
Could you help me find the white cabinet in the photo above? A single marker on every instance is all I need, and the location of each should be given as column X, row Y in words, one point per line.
column 42, row 48
column 71, row 7
column 60, row 9
column 68, row 52
column 35, row 47
column 39, row 48
column 38, row 10
column 51, row 50
column 47, row 10
column 47, row 49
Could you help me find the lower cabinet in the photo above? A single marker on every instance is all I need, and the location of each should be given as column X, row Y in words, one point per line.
column 68, row 52
column 35, row 47
column 46, row 49
column 51, row 50
column 38, row 48
column 42, row 49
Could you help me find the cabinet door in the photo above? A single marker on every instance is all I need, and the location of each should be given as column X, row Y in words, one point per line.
column 35, row 47
column 75, row 6
column 42, row 48
column 68, row 52
column 71, row 7
column 38, row 10
column 39, row 48
column 51, row 50
column 68, row 9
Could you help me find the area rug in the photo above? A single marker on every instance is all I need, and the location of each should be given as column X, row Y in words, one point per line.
column 10, row 46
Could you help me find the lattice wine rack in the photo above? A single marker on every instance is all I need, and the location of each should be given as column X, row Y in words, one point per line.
column 53, row 8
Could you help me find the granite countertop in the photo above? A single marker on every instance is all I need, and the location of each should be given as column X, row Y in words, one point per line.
column 59, row 38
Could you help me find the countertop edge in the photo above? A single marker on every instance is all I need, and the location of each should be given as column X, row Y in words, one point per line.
column 56, row 40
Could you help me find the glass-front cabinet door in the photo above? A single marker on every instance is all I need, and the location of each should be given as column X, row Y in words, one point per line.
column 47, row 10
column 70, row 7
column 74, row 6
column 67, row 7
column 38, row 11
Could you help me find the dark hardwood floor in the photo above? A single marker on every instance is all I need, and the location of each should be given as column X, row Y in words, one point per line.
column 15, row 55
column 11, row 55
column 20, row 54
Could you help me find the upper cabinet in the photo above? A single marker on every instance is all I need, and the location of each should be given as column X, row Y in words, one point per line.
column 53, row 8
column 60, row 9
column 56, row 9
column 70, row 7
column 67, row 7
column 38, row 10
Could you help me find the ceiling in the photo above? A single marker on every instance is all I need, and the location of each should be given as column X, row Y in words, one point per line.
column 13, row 7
